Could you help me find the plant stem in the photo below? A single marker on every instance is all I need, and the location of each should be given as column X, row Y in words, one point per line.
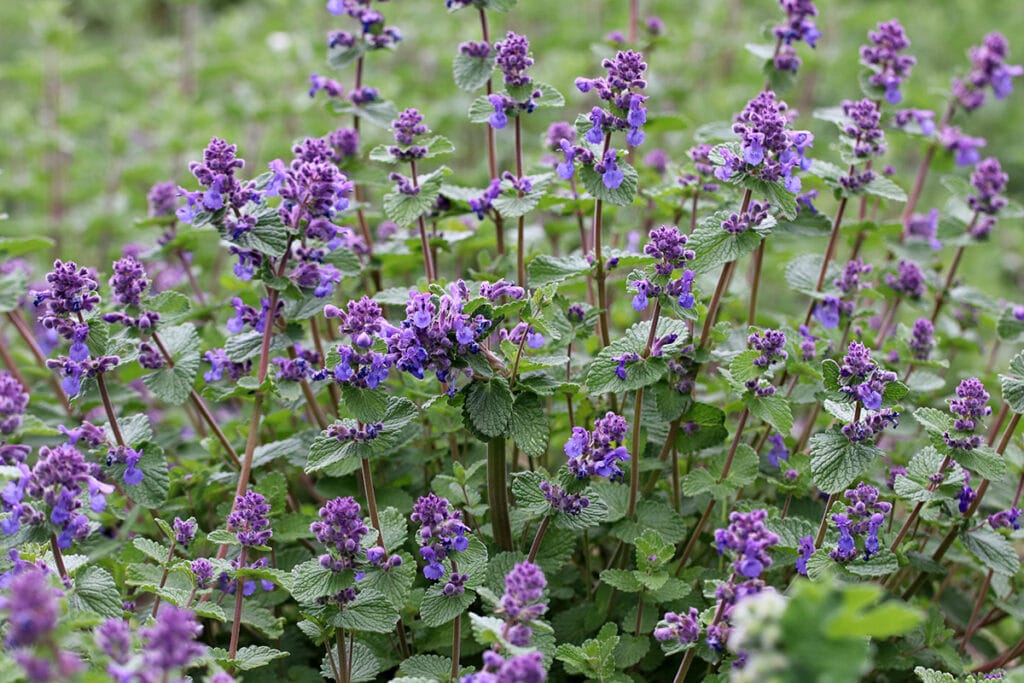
column 940, row 296
column 345, row 672
column 684, row 666
column 497, row 493
column 693, row 211
column 538, row 537
column 12, row 367
column 602, row 299
column 917, row 510
column 428, row 264
column 830, row 251
column 37, row 353
column 163, row 578
column 371, row 499
column 236, row 624
column 823, row 527
column 716, row 299
column 58, row 559
column 583, row 237
column 108, row 407
column 520, row 238
column 972, row 624
column 492, row 155
column 634, row 20
column 756, row 281
column 456, row 637
column 638, row 403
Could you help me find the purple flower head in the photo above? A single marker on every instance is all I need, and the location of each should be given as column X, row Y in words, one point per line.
column 114, row 637
column 849, row 283
column 71, row 290
column 216, row 173
column 184, row 531
column 889, row 67
column 924, row 227
column 329, row 86
column 524, row 668
column 249, row 519
column 171, row 641
column 657, row 160
column 922, row 338
column 964, row 147
column 362, row 320
column 569, row 503
column 808, row 348
column 909, row 280
column 221, row 364
column 969, row 406
column 524, row 593
column 622, row 89
column 162, row 199
column 13, row 402
column 1005, row 519
column 799, row 25
column 345, row 142
column 828, row 311
column 31, row 606
column 988, row 68
column 668, row 244
column 863, row 517
column 342, row 528
column 644, row 289
column 778, row 450
column 313, row 189
column 475, row 49
column 771, row 344
column 749, row 538
column 755, row 214
column 482, row 204
column 866, row 136
column 608, row 167
column 770, row 151
column 804, row 551
column 679, row 628
column 598, row 452
column 409, row 126
column 990, row 182
column 513, row 59
column 866, row 429
column 924, row 119
column 558, row 131
column 492, row 291
column 202, row 569
column 441, row 533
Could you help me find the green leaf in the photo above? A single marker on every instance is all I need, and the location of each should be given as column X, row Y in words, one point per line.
column 367, row 405
column 310, row 581
column 993, row 550
column 933, row 676
column 891, row 618
column 742, row 472
column 222, row 537
column 11, row 247
column 601, row 377
column 1009, row 328
column 514, row 206
column 621, row 195
column 544, row 269
column 249, row 657
column 95, row 592
column 472, row 73
column 885, row 188
column 704, row 426
column 773, row 409
column 152, row 491
column 595, row 658
column 341, row 56
column 802, row 275
column 173, row 384
column 488, row 407
column 529, row 426
column 12, row 288
column 371, row 612
column 155, row 551
column 715, row 246
column 624, row 580
column 396, row 583
column 327, row 453
column 404, row 209
column 269, row 236
column 1013, row 384
column 830, row 374
column 742, row 366
column 549, row 94
column 431, row 667
column 836, row 461
column 438, row 609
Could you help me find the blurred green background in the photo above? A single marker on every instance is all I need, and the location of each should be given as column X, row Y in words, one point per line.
column 101, row 99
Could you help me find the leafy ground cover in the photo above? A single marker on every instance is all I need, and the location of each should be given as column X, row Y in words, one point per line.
column 548, row 378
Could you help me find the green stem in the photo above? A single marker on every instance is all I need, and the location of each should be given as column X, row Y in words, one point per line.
column 497, row 494
column 163, row 578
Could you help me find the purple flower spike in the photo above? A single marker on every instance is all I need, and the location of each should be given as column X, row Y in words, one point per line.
column 342, row 528
column 969, row 406
column 891, row 67
column 599, row 451
column 680, row 628
column 441, row 533
column 249, row 519
column 749, row 538
column 171, row 641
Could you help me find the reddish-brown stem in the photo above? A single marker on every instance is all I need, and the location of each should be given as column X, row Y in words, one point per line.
column 520, row 237
column 912, row 517
column 756, row 281
column 163, row 578
column 638, row 401
column 538, row 538
column 634, row 20
column 602, row 299
column 236, row 624
column 886, row 327
column 716, row 300
column 830, row 251
column 37, row 353
column 940, row 296
column 457, row 637
column 192, row 282
column 428, row 265
column 12, row 367
column 972, row 624
column 58, row 558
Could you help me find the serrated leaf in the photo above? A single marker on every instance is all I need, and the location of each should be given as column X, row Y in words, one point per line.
column 153, row 550
column 95, row 592
column 703, row 426
column 371, row 612
column 624, row 580
column 1009, row 327
column 488, row 407
column 404, row 209
column 836, row 461
column 993, row 550
column 802, row 275
column 367, row 405
column 716, row 247
column 173, row 384
column 545, row 269
column 438, row 609
column 528, row 426
column 310, row 581
column 773, row 409
column 884, row 187
column 268, row 236
column 472, row 73
column 601, row 375
column 327, row 453
column 1013, row 384
column 249, row 657
column 426, row 666
column 152, row 491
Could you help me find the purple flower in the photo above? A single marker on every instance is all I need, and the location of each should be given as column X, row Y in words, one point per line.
column 924, row 227
column 341, row 526
column 863, row 517
column 749, row 539
column 202, row 569
column 827, row 312
column 964, row 148
column 220, row 363
column 31, row 607
column 770, row 151
column 1005, row 519
column 184, row 531
column 990, row 181
column 558, row 499
column 622, row 89
column 778, row 450
column 171, row 641
column 668, row 244
column 161, row 199
column 643, row 288
column 482, row 204
column 679, row 628
column 249, row 519
column 598, row 452
column 771, row 344
column 71, row 291
column 909, row 280
column 988, row 68
column 608, row 167
column 867, row 138
column 13, row 402
column 524, row 668
column 492, row 291
column 409, row 126
column 922, row 339
column 331, row 87
column 441, row 533
column 114, row 637
column 755, row 214
column 513, row 59
column 969, row 406
column 890, row 68
column 522, row 601
column 804, row 551
column 924, row 119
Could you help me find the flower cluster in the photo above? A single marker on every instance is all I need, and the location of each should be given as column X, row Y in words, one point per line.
column 215, row 173
column 988, row 68
column 749, row 538
column 407, row 128
column 434, row 337
column 864, row 515
column 798, row 26
column 528, row 667
column 755, row 214
column 358, row 364
column 249, row 519
column 32, row 613
column 679, row 628
column 908, row 281
column 13, row 402
column 668, row 245
column 441, row 533
column 964, row 147
column 375, row 34
column 778, row 451
column 889, row 67
column 969, row 406
column 513, row 60
column 866, row 139
column 924, row 227
column 989, row 181
column 558, row 499
column 599, row 451
column 220, row 364
column 700, row 155
column 522, row 602
column 622, row 89
column 171, row 641
column 341, row 526
column 922, row 339
column 1005, row 519
column 129, row 283
column 305, row 365
column 71, row 292
column 770, row 151
column 58, row 479
column 864, row 382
